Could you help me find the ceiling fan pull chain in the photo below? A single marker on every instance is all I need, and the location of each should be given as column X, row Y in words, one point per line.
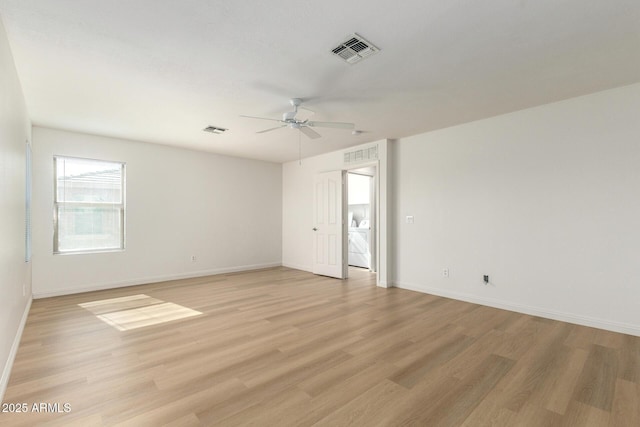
column 299, row 148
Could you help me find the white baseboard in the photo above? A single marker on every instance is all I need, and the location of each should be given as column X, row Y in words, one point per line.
column 297, row 267
column 6, row 372
column 152, row 279
column 608, row 325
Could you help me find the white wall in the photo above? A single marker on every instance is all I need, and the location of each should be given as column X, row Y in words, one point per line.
column 546, row 201
column 227, row 211
column 15, row 274
column 297, row 206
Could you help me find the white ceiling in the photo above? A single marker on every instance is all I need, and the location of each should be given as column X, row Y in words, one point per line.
column 160, row 71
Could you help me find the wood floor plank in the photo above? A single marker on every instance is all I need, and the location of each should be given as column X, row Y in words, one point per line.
column 335, row 375
column 420, row 400
column 469, row 360
column 629, row 369
column 461, row 400
column 596, row 385
column 579, row 414
column 415, row 372
column 366, row 408
column 272, row 411
column 285, row 347
column 542, row 416
column 490, row 414
column 626, row 406
column 338, row 394
column 561, row 385
column 535, row 367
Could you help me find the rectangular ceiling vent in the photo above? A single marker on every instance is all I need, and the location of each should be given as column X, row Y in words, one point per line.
column 214, row 129
column 355, row 49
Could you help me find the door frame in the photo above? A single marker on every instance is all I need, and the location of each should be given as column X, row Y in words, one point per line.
column 374, row 241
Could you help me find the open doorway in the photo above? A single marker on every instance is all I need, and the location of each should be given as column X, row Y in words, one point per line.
column 361, row 218
column 345, row 232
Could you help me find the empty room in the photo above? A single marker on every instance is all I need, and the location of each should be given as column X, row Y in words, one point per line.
column 320, row 213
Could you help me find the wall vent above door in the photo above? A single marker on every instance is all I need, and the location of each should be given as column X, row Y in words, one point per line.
column 362, row 155
column 354, row 49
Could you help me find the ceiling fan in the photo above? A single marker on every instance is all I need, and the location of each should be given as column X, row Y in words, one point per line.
column 304, row 125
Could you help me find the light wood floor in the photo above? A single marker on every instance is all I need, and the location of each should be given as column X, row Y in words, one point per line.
column 282, row 347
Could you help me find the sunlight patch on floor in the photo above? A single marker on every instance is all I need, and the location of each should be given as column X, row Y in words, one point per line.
column 137, row 311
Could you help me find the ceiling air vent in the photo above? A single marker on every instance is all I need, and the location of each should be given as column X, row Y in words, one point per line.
column 354, row 49
column 214, row 129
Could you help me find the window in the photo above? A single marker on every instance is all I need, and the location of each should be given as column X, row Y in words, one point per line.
column 27, row 204
column 88, row 205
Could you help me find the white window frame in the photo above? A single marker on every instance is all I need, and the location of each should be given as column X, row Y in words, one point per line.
column 28, row 202
column 57, row 204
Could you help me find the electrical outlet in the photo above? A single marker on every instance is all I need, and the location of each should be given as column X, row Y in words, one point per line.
column 409, row 219
column 445, row 272
column 193, row 258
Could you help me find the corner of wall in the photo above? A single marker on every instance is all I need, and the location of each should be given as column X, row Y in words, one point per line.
column 6, row 372
column 15, row 129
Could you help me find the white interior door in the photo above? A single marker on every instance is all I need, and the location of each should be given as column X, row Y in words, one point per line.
column 328, row 225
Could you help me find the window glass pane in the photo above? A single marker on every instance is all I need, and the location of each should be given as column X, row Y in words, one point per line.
column 358, row 189
column 82, row 180
column 27, row 231
column 82, row 228
column 89, row 205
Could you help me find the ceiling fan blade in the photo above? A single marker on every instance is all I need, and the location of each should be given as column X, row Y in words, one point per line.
column 270, row 129
column 309, row 132
column 261, row 118
column 335, row 125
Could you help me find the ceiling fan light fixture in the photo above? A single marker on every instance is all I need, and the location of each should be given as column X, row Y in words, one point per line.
column 289, row 115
